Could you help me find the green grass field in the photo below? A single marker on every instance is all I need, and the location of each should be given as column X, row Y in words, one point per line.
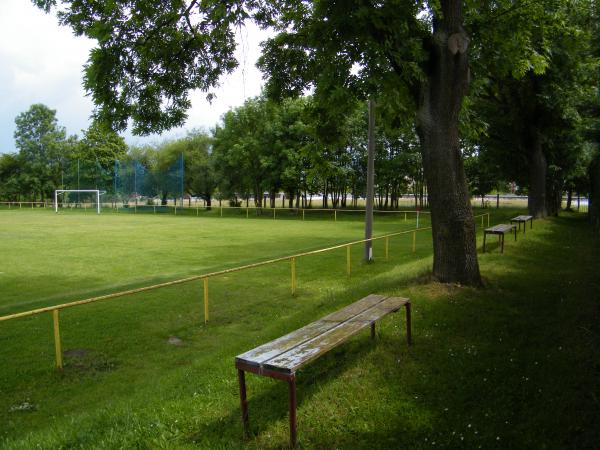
column 512, row 365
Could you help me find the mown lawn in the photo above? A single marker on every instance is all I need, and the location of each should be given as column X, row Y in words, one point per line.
column 512, row 365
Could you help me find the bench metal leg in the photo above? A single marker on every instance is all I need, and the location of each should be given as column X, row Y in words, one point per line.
column 408, row 324
column 373, row 330
column 484, row 235
column 243, row 401
column 501, row 239
column 292, row 401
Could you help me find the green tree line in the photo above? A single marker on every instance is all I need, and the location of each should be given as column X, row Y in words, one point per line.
column 260, row 147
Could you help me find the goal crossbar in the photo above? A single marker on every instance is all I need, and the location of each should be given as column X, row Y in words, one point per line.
column 62, row 191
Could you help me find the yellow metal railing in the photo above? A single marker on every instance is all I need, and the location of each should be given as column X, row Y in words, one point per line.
column 55, row 309
column 256, row 209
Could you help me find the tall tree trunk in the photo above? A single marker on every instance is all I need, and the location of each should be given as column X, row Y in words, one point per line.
column 453, row 226
column 553, row 196
column 536, row 202
column 569, row 199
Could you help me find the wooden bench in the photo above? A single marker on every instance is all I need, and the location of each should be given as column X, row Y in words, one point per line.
column 500, row 230
column 282, row 357
column 522, row 220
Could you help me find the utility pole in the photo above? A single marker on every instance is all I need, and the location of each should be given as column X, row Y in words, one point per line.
column 370, row 183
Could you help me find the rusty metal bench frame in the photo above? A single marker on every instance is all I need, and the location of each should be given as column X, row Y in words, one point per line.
column 500, row 230
column 281, row 358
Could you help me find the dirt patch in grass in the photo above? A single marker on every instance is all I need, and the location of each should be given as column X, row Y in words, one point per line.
column 87, row 361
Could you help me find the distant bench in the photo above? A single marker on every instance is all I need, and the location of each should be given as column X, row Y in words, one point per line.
column 282, row 357
column 500, row 230
column 522, row 220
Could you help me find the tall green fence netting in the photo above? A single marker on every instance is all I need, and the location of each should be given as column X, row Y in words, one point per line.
column 126, row 182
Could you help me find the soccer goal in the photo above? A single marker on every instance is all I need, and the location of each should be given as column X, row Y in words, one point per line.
column 67, row 191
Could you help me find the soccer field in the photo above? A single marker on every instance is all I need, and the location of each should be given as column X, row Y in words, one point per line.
column 117, row 352
column 49, row 259
column 488, row 368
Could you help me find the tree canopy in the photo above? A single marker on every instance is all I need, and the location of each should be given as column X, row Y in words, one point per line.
column 426, row 62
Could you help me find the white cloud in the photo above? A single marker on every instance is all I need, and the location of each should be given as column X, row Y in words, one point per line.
column 41, row 62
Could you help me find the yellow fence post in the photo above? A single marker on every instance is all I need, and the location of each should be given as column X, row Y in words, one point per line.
column 247, row 212
column 293, row 276
column 274, row 213
column 196, row 211
column 335, row 215
column 303, row 214
column 57, row 349
column 348, row 260
column 405, row 217
column 205, row 300
column 387, row 248
column 414, row 248
column 221, row 211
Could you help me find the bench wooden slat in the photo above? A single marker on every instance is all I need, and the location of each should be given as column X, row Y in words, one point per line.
column 354, row 309
column 502, row 228
column 522, row 218
column 292, row 359
column 280, row 345
column 389, row 305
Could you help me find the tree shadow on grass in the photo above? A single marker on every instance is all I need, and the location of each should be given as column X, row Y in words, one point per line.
column 512, row 365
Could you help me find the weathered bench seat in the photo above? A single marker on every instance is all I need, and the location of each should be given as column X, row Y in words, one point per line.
column 282, row 357
column 500, row 230
column 523, row 220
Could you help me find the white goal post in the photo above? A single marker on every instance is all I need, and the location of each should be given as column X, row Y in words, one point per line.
column 62, row 191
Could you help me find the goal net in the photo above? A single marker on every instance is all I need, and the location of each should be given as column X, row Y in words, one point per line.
column 77, row 198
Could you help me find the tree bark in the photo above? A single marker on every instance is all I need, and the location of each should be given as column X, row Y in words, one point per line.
column 536, row 201
column 453, row 226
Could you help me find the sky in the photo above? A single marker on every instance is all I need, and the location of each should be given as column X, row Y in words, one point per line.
column 42, row 62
